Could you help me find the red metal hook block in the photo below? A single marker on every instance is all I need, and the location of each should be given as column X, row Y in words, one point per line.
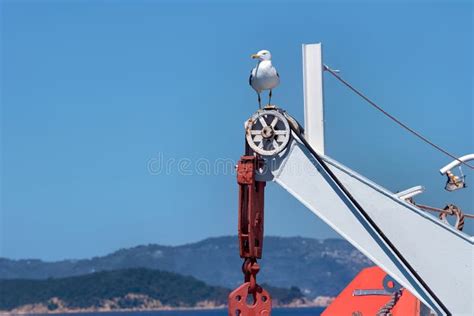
column 238, row 305
column 250, row 299
column 251, row 200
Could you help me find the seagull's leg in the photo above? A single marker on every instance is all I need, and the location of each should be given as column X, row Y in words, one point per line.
column 259, row 101
column 270, row 97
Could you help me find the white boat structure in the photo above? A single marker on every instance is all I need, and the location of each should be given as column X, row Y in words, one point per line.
column 427, row 256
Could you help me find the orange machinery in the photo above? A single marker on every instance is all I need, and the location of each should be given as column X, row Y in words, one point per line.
column 374, row 293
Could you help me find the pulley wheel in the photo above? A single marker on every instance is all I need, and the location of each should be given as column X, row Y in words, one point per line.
column 268, row 132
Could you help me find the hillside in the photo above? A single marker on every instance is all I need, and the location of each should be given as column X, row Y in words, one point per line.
column 121, row 289
column 318, row 267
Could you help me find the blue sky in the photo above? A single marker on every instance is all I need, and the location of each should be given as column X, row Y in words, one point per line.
column 93, row 91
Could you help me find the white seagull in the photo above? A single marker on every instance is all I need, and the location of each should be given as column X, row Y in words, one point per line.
column 264, row 76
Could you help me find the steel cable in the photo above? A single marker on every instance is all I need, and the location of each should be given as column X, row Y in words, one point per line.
column 393, row 118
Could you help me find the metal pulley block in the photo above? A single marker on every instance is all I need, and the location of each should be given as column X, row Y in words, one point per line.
column 454, row 182
column 268, row 132
column 251, row 208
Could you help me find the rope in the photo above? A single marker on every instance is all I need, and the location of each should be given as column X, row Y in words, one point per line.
column 450, row 209
column 387, row 308
column 393, row 118
column 435, row 209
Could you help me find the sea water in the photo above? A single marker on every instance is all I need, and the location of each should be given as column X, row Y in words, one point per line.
column 316, row 311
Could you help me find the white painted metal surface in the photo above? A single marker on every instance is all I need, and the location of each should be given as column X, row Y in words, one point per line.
column 441, row 255
column 456, row 163
column 411, row 192
column 313, row 96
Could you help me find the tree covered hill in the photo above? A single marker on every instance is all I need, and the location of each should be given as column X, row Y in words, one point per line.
column 317, row 267
column 121, row 289
column 89, row 290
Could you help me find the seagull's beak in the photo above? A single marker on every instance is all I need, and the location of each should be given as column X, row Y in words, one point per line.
column 255, row 56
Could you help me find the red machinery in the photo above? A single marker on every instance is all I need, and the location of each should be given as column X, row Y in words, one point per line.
column 250, row 299
column 275, row 145
column 372, row 292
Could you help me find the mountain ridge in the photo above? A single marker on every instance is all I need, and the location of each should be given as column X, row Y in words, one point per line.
column 287, row 261
column 128, row 289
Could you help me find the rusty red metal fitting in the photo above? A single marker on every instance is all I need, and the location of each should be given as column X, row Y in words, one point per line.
column 251, row 203
column 250, row 268
column 243, row 303
column 250, row 299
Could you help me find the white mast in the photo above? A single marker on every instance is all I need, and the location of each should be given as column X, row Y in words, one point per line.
column 313, row 96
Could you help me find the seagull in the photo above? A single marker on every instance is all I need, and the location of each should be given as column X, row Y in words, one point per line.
column 264, row 76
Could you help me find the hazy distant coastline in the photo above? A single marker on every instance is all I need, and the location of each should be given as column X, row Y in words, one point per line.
column 43, row 309
column 317, row 267
column 160, row 278
column 128, row 290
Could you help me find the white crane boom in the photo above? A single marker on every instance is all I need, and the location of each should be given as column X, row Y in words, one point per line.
column 440, row 256
column 430, row 258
